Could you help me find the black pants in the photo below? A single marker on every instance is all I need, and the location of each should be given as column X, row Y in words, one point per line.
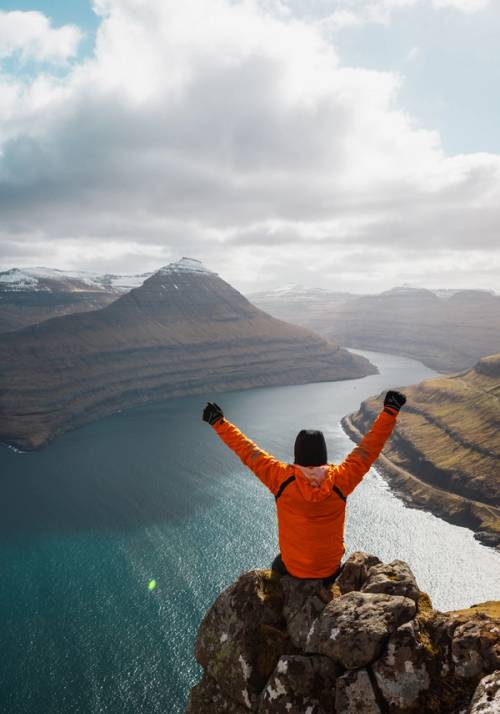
column 279, row 567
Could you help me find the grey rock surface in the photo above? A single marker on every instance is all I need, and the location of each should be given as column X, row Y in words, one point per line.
column 355, row 571
column 275, row 644
column 207, row 697
column 475, row 647
column 304, row 601
column 300, row 684
column 486, row 699
column 353, row 629
column 394, row 578
column 355, row 694
column 241, row 638
column 401, row 673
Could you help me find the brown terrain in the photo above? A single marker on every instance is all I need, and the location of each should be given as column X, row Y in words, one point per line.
column 444, row 455
column 447, row 331
column 184, row 331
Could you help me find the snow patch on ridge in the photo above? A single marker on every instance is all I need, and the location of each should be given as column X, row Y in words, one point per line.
column 186, row 265
column 18, row 279
column 32, row 279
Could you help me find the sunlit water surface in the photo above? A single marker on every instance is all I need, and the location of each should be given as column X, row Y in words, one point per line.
column 152, row 493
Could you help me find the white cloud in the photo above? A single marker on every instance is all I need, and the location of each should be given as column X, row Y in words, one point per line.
column 32, row 36
column 467, row 6
column 350, row 13
column 340, row 19
column 223, row 131
column 414, row 55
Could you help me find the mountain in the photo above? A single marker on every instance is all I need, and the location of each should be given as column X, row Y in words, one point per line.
column 31, row 295
column 184, row 331
column 305, row 306
column 448, row 330
column 445, row 453
column 371, row 643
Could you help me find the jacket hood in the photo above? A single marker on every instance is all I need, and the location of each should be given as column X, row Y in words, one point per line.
column 314, row 482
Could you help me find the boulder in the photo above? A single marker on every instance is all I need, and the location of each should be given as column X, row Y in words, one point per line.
column 355, row 572
column 243, row 635
column 475, row 647
column 486, row 699
column 300, row 684
column 402, row 674
column 281, row 645
column 394, row 578
column 353, row 628
column 303, row 601
column 207, row 697
column 355, row 694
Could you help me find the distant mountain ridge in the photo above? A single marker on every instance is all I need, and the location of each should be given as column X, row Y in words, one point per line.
column 31, row 295
column 184, row 331
column 445, row 452
column 53, row 280
column 448, row 330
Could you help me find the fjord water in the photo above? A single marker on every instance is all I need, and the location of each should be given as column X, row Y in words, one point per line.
column 153, row 494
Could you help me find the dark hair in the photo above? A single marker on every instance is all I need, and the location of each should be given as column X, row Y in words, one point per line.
column 310, row 448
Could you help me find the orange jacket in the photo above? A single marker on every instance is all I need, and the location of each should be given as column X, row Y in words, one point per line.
column 310, row 515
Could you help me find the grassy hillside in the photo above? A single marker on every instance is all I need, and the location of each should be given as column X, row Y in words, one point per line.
column 445, row 453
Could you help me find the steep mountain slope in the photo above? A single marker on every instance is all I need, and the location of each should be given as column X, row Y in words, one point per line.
column 184, row 331
column 447, row 334
column 308, row 307
column 447, row 330
column 445, row 453
column 32, row 295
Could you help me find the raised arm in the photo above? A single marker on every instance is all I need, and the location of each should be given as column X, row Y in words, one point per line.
column 358, row 463
column 268, row 469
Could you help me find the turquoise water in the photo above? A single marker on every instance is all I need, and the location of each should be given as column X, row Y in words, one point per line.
column 151, row 493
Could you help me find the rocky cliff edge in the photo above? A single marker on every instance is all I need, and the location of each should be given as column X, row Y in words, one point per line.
column 368, row 644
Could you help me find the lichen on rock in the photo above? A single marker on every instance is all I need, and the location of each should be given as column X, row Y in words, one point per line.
column 370, row 643
column 299, row 684
column 486, row 699
column 242, row 636
column 353, row 628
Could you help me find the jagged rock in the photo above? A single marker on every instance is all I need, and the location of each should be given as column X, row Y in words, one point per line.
column 355, row 694
column 242, row 636
column 207, row 697
column 475, row 647
column 353, row 628
column 394, row 578
column 300, row 684
column 486, row 699
column 355, row 571
column 401, row 673
column 402, row 656
column 304, row 600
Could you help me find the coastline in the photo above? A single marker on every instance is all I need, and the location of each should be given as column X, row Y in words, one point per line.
column 417, row 493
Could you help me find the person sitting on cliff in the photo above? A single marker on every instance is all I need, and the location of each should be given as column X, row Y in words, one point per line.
column 310, row 494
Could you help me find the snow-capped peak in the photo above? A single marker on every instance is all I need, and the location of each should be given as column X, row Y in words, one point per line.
column 41, row 279
column 186, row 265
column 15, row 279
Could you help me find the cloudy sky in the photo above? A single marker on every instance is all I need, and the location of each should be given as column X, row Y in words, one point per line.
column 347, row 144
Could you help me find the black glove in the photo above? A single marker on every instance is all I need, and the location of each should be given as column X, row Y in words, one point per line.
column 394, row 400
column 212, row 413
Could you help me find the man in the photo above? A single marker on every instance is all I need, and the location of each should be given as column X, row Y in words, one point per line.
column 310, row 493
